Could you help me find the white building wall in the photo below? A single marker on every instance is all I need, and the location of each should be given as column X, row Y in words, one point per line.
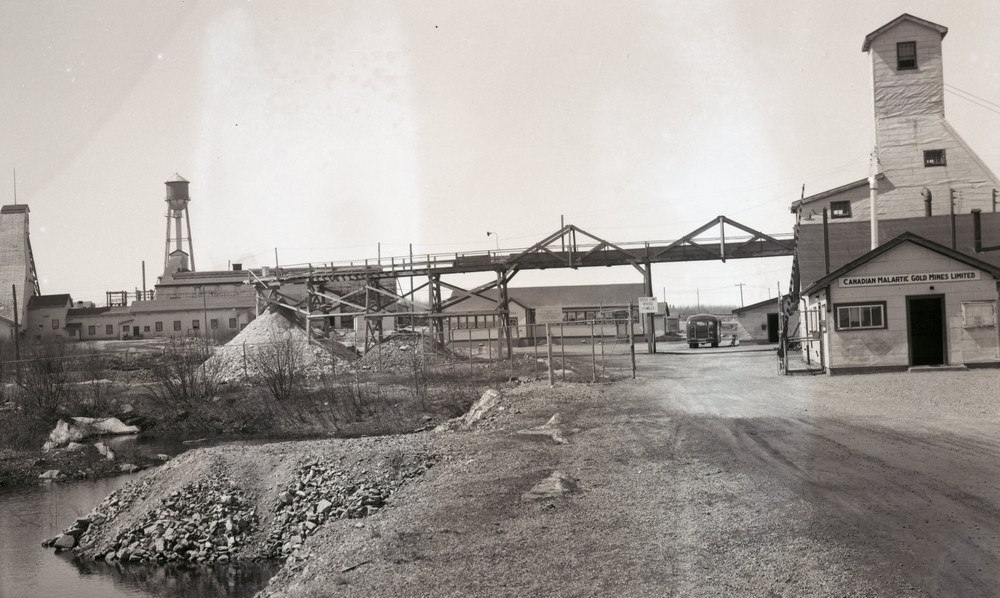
column 909, row 119
column 890, row 346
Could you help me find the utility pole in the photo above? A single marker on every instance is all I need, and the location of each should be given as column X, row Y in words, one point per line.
column 741, row 285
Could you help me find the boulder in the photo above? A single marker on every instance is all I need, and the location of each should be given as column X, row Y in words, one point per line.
column 65, row 542
column 556, row 485
column 52, row 474
column 79, row 428
column 105, row 451
column 482, row 408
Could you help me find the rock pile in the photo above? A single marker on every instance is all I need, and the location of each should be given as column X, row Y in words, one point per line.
column 266, row 342
column 204, row 522
column 325, row 492
column 400, row 351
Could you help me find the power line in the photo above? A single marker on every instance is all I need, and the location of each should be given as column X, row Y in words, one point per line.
column 969, row 93
column 984, row 104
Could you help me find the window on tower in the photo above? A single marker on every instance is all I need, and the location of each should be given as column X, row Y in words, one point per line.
column 934, row 158
column 906, row 55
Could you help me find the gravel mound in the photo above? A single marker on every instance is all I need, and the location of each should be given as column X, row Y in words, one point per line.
column 272, row 340
column 401, row 350
column 245, row 503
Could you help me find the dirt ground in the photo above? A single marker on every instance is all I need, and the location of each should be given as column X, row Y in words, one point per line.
column 710, row 475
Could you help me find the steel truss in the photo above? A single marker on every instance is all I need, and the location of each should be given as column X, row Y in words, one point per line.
column 370, row 290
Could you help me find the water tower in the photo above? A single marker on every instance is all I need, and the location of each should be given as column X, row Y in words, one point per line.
column 177, row 208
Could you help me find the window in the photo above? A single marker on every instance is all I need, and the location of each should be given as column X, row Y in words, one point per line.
column 91, row 330
column 906, row 55
column 840, row 209
column 195, row 324
column 979, row 314
column 159, row 326
column 232, row 322
column 109, row 329
column 934, row 158
column 213, row 324
column 860, row 316
column 55, row 323
column 145, row 328
column 177, row 325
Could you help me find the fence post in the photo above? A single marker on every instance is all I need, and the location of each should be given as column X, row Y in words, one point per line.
column 784, row 354
column 128, row 374
column 593, row 351
column 631, row 339
column 562, row 348
column 510, row 354
column 548, row 345
column 471, row 372
column 534, row 344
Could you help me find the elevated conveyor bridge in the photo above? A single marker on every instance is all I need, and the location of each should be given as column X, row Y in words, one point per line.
column 569, row 247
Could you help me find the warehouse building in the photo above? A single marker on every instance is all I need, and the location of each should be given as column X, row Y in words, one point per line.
column 570, row 309
column 909, row 288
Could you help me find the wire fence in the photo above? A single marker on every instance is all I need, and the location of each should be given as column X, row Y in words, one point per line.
column 583, row 351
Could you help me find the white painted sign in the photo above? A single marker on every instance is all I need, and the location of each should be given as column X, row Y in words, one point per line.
column 875, row 280
column 548, row 314
column 647, row 305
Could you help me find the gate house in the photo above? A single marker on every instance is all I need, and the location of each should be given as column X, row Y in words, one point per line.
column 910, row 302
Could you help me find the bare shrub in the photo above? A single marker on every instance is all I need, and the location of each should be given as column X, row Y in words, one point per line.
column 182, row 376
column 95, row 394
column 42, row 380
column 279, row 367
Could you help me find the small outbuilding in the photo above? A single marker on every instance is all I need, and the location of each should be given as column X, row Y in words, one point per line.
column 762, row 321
column 908, row 303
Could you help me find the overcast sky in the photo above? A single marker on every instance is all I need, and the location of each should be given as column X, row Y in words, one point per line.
column 324, row 128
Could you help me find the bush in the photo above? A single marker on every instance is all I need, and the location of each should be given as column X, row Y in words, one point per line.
column 182, row 376
column 279, row 367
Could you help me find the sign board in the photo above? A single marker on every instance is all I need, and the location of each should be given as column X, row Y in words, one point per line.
column 548, row 314
column 647, row 305
column 875, row 280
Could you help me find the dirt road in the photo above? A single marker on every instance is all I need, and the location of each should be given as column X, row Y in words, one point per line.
column 709, row 476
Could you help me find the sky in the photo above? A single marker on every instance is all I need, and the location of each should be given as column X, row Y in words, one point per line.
column 333, row 130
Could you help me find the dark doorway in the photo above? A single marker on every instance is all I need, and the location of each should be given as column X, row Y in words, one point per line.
column 925, row 317
column 135, row 331
column 772, row 328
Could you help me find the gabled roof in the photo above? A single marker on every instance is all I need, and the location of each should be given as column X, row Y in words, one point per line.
column 906, row 237
column 903, row 17
column 832, row 192
column 766, row 302
column 38, row 301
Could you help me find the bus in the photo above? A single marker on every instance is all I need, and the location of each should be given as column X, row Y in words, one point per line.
column 703, row 329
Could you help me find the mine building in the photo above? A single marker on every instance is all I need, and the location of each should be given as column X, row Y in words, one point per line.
column 570, row 309
column 762, row 321
column 887, row 267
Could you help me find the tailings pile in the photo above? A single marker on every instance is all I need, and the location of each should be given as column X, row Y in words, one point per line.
column 272, row 340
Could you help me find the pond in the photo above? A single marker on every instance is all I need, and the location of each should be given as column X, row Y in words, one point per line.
column 32, row 514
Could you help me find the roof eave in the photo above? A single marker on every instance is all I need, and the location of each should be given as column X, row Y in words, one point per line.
column 903, row 17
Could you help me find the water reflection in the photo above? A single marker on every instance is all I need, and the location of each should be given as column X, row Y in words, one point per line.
column 182, row 580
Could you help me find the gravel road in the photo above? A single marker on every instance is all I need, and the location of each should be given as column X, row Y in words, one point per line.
column 709, row 476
